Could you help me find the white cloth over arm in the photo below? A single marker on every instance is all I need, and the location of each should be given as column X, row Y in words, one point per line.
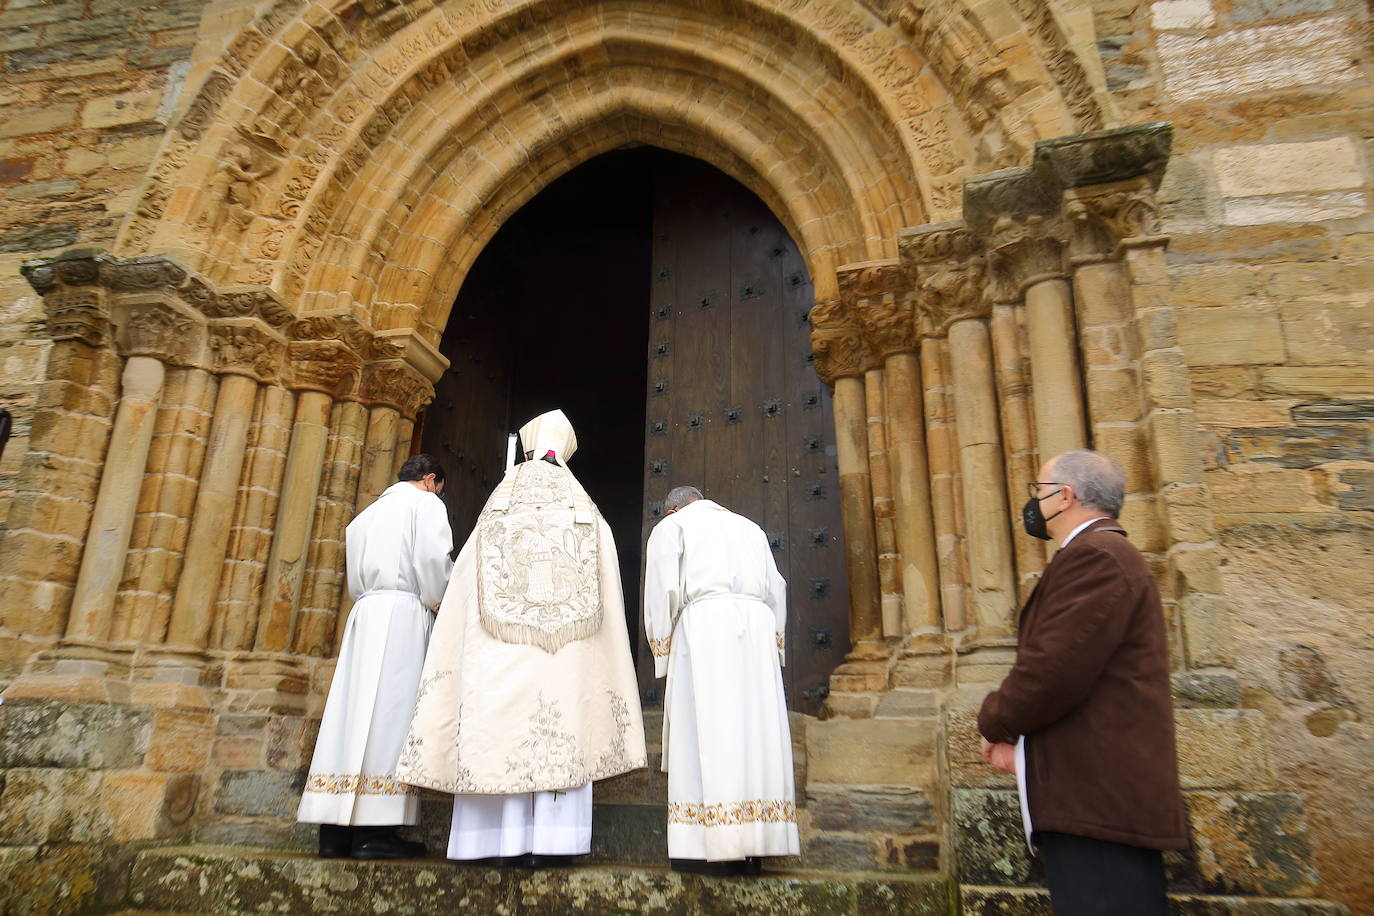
column 398, row 565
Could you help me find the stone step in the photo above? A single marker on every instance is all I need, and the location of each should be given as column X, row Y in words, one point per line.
column 1002, row 901
column 236, row 882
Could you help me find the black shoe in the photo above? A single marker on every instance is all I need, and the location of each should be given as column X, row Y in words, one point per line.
column 750, row 865
column 538, row 860
column 336, row 842
column 703, row 867
column 384, row 843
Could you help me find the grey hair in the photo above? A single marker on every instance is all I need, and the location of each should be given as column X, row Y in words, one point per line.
column 680, row 496
column 1097, row 480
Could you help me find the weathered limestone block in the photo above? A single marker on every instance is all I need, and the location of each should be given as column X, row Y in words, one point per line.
column 91, row 737
column 875, row 809
column 1222, row 749
column 180, row 740
column 988, row 838
column 88, row 806
column 1251, row 843
column 870, row 752
column 250, row 793
column 1272, row 57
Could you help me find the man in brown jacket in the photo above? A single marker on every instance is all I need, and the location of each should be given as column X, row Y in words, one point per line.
column 1085, row 718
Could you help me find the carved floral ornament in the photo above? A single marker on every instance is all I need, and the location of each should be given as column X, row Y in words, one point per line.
column 950, row 270
column 328, row 366
column 1023, row 252
column 1101, row 220
column 394, row 383
column 878, row 294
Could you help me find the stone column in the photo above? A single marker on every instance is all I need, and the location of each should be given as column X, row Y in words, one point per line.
column 946, row 512
column 884, row 530
column 245, row 352
column 49, row 512
column 840, row 362
column 318, row 369
column 112, row 520
column 881, row 292
column 152, row 331
column 951, row 273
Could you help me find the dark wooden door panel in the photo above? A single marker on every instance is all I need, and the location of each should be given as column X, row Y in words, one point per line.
column 734, row 406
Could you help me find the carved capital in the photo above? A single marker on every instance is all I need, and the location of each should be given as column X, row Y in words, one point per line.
column 838, row 354
column 153, row 327
column 878, row 294
column 245, row 347
column 322, row 365
column 1102, row 217
column 394, row 383
column 77, row 314
column 1023, row 252
column 950, row 268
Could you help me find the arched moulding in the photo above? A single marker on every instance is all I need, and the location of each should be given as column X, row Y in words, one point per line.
column 279, row 134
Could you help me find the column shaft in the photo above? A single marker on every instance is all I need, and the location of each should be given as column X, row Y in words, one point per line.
column 1018, row 439
column 856, row 506
column 281, row 586
column 116, row 503
column 379, row 455
column 1058, row 388
column 885, row 535
column 915, row 528
column 214, row 513
column 944, row 493
column 983, row 483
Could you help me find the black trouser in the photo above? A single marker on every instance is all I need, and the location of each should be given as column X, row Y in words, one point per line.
column 1088, row 877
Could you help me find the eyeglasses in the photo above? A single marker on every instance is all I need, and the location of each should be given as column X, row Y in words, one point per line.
column 1033, row 488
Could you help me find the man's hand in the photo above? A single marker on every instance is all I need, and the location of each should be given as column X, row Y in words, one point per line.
column 1000, row 756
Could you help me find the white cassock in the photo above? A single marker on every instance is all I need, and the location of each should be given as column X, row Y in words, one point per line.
column 398, row 566
column 529, row 691
column 715, row 612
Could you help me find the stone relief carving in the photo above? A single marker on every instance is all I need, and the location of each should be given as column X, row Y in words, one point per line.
column 838, row 355
column 235, row 188
column 160, row 331
column 1022, row 252
column 203, row 107
column 323, row 365
column 238, row 349
column 1100, row 221
column 950, row 269
column 396, row 384
column 77, row 315
column 878, row 294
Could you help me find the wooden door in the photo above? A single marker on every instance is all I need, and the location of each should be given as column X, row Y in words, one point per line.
column 734, row 406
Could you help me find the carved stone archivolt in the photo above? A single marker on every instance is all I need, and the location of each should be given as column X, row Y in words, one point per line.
column 950, row 267
column 878, row 294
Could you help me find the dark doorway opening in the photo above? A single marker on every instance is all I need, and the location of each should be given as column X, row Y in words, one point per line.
column 554, row 314
column 662, row 306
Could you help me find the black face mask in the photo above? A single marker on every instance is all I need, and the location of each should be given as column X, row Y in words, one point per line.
column 1034, row 520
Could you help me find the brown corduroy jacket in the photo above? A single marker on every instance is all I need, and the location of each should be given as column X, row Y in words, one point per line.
column 1090, row 691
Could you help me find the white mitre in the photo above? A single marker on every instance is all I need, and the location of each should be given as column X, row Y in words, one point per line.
column 549, row 432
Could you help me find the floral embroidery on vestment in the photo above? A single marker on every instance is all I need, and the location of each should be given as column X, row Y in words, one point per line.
column 768, row 811
column 661, row 647
column 356, row 784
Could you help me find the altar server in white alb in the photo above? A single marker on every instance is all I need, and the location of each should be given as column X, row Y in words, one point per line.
column 529, row 691
column 397, row 554
column 715, row 612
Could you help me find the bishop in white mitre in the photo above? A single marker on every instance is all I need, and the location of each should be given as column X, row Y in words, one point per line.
column 397, row 555
column 529, row 691
column 715, row 611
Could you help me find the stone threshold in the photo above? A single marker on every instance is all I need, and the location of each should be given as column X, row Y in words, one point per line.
column 234, row 881
column 978, row 900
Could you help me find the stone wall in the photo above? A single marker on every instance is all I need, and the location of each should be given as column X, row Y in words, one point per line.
column 88, row 89
column 239, row 135
column 1271, row 265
